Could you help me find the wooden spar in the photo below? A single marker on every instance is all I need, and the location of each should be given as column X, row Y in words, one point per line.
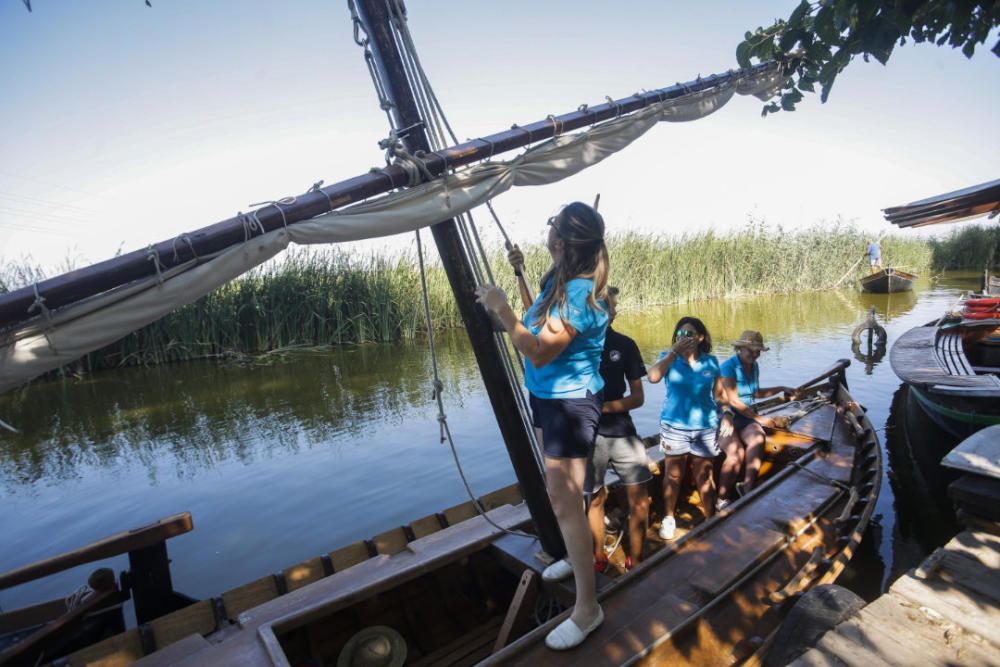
column 97, row 278
column 374, row 15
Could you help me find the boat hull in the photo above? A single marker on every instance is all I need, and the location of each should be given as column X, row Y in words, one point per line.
column 959, row 416
column 888, row 281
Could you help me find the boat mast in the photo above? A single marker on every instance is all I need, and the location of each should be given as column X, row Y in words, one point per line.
column 375, row 17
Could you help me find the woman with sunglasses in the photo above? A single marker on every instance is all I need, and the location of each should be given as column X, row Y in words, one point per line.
column 562, row 336
column 689, row 421
column 744, row 447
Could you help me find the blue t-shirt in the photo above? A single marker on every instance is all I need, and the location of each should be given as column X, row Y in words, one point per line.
column 690, row 399
column 746, row 384
column 577, row 368
column 874, row 251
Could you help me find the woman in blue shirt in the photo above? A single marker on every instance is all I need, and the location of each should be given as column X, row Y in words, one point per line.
column 561, row 337
column 744, row 447
column 689, row 421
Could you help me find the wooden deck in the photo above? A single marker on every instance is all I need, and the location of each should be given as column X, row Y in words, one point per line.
column 945, row 612
column 918, row 358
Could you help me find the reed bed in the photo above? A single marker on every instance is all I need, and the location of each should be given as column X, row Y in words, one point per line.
column 968, row 247
column 319, row 297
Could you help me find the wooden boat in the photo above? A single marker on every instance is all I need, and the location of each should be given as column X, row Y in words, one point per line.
column 953, row 369
column 459, row 589
column 888, row 281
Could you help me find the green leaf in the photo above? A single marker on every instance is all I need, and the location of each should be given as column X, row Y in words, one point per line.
column 790, row 39
column 800, row 12
column 743, row 54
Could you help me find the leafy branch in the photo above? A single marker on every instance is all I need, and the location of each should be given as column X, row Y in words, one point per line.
column 819, row 39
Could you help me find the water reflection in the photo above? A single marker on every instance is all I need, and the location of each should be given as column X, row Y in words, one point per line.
column 200, row 415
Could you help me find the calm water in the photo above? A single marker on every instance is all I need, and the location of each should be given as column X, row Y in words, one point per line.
column 279, row 463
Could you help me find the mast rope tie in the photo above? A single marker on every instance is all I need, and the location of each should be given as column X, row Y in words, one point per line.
column 493, row 149
column 318, row 187
column 250, row 223
column 154, row 257
column 617, row 106
column 40, row 306
column 276, row 204
column 187, row 239
column 557, row 125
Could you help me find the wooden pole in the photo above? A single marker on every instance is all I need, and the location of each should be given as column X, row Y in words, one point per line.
column 374, row 15
column 97, row 278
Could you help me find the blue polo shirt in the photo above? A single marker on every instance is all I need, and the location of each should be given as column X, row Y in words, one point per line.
column 747, row 384
column 690, row 400
column 874, row 251
column 577, row 368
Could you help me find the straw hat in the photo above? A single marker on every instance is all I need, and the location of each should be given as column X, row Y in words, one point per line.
column 751, row 339
column 375, row 646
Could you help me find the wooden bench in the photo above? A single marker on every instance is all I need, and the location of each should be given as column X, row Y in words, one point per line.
column 52, row 628
column 949, row 351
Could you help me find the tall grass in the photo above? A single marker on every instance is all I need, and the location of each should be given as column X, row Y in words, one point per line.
column 970, row 247
column 328, row 297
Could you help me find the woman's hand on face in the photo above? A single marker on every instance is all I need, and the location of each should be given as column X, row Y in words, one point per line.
column 515, row 257
column 684, row 346
column 726, row 426
column 491, row 297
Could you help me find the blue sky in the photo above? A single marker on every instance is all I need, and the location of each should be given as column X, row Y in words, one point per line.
column 124, row 125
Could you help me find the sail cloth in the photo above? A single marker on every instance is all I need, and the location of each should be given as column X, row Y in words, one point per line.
column 60, row 336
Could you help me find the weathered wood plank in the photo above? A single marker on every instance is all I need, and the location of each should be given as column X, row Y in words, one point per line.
column 509, row 495
column 118, row 651
column 176, row 652
column 816, row 657
column 350, row 555
column 460, row 513
column 390, row 542
column 972, row 612
column 979, row 453
column 304, row 573
column 249, row 595
column 197, row 618
column 425, row 526
column 115, row 545
column 852, row 653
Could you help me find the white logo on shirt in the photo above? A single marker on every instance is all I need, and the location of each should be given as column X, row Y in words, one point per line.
column 614, row 355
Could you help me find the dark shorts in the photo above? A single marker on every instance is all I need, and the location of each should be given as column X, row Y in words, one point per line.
column 569, row 425
column 740, row 422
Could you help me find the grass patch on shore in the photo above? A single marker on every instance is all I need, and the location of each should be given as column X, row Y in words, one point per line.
column 968, row 247
column 316, row 297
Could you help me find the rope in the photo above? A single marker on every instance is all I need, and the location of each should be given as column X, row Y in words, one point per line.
column 438, row 393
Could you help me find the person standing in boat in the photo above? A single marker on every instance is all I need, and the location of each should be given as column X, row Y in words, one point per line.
column 689, row 421
column 874, row 253
column 617, row 444
column 561, row 337
column 744, row 447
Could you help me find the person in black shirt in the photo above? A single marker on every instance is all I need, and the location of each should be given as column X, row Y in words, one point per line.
column 617, row 443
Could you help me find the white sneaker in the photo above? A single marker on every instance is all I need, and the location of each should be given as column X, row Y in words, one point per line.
column 557, row 571
column 721, row 504
column 668, row 528
column 568, row 634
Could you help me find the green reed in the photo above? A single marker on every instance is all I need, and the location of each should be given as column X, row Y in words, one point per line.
column 968, row 247
column 316, row 297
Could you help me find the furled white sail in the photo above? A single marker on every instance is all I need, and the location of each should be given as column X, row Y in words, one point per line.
column 60, row 336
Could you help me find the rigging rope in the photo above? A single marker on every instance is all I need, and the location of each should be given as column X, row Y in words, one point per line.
column 436, row 125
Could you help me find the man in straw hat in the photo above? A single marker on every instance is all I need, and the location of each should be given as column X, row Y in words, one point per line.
column 744, row 448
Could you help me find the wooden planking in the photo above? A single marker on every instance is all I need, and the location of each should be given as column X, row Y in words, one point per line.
column 460, row 513
column 815, row 657
column 390, row 542
column 25, row 617
column 509, row 495
column 425, row 526
column 115, row 545
column 752, row 548
column 117, row 651
column 946, row 612
column 176, row 652
column 249, row 595
column 198, row 618
column 350, row 555
column 977, row 494
column 304, row 573
column 979, row 453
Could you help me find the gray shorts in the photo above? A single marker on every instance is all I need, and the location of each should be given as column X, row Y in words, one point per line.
column 703, row 443
column 627, row 456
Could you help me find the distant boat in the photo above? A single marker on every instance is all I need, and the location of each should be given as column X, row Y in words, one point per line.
column 888, row 281
column 953, row 369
